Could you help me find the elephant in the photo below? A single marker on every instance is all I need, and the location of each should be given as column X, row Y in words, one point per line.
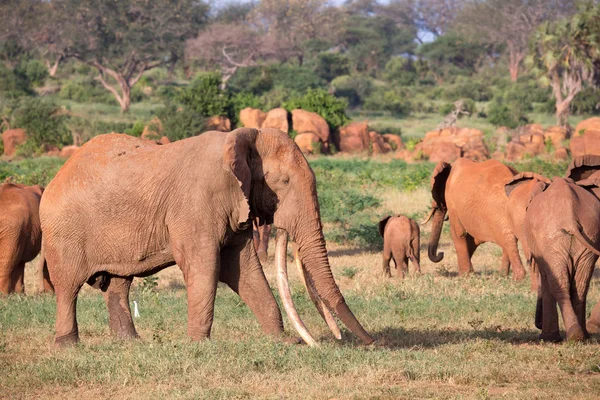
column 518, row 191
column 261, row 235
column 20, row 234
column 563, row 232
column 581, row 168
column 401, row 241
column 473, row 196
column 121, row 208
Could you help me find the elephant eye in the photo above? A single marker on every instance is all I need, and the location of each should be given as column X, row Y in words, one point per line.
column 286, row 181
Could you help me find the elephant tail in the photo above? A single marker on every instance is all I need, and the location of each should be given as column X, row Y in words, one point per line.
column 583, row 240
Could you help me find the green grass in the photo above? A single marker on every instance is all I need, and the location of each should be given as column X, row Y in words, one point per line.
column 438, row 337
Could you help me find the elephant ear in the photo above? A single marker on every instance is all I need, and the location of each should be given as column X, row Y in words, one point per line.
column 540, row 187
column 438, row 183
column 583, row 167
column 238, row 146
column 382, row 224
column 521, row 178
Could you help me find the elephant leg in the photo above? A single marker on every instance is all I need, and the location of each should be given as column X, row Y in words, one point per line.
column 593, row 324
column 200, row 267
column 387, row 256
column 583, row 275
column 505, row 266
column 414, row 255
column 44, row 284
column 67, row 332
column 464, row 250
column 548, row 314
column 403, row 268
column 512, row 252
column 560, row 287
column 243, row 273
column 18, row 278
column 116, row 297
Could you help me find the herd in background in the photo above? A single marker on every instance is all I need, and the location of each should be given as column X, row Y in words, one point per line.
column 557, row 222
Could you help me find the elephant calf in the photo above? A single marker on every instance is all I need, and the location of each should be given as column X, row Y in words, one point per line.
column 401, row 241
column 20, row 233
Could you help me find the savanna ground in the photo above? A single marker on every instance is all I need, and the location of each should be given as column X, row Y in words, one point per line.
column 438, row 335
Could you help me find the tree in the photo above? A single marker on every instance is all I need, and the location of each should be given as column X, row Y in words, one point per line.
column 509, row 23
column 567, row 54
column 122, row 39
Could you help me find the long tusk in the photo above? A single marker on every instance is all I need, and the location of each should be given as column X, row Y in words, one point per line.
column 312, row 292
column 428, row 216
column 284, row 288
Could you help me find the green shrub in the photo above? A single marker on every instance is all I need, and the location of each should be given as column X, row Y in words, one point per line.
column 468, row 106
column 31, row 171
column 36, row 72
column 467, row 88
column 393, row 100
column 501, row 113
column 586, row 102
column 181, row 122
column 354, row 88
column 84, row 129
column 136, row 130
column 332, row 109
column 204, row 97
column 241, row 100
column 44, row 123
column 298, row 79
column 331, row 65
column 13, row 85
column 400, row 71
column 256, row 80
column 87, row 90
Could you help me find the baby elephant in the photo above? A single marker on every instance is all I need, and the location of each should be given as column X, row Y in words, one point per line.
column 401, row 241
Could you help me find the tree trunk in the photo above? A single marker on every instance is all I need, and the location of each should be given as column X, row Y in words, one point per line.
column 514, row 61
column 562, row 112
column 125, row 98
column 53, row 68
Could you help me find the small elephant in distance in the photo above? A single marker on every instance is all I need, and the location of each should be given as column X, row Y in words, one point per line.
column 401, row 241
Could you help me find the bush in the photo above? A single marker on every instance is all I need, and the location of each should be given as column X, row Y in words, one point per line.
column 43, row 122
column 467, row 88
column 87, row 90
column 204, row 97
column 136, row 130
column 83, row 129
column 332, row 65
column 332, row 109
column 36, row 72
column 586, row 102
column 13, row 85
column 393, row 100
column 241, row 100
column 256, row 80
column 501, row 113
column 298, row 79
column 468, row 106
column 354, row 88
column 400, row 71
column 181, row 122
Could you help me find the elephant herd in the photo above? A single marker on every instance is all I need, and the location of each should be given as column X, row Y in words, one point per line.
column 123, row 207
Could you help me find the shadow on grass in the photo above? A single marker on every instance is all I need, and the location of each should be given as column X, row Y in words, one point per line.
column 400, row 338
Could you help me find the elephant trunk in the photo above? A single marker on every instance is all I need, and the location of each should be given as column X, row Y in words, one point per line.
column 436, row 230
column 313, row 255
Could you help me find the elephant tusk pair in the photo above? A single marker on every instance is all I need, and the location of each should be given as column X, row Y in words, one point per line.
column 286, row 294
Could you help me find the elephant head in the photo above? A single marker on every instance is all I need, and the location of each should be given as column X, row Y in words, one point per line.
column 438, row 208
column 522, row 181
column 583, row 167
column 278, row 186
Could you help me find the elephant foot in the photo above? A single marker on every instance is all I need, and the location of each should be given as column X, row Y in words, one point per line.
column 593, row 327
column 68, row 340
column 291, row 340
column 126, row 334
column 576, row 334
column 552, row 337
column 518, row 275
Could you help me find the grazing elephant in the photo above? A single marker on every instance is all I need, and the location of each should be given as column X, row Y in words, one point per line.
column 563, row 232
column 473, row 196
column 401, row 241
column 121, row 207
column 261, row 235
column 20, row 234
column 518, row 190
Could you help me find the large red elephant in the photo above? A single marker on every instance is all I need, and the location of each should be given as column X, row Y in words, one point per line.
column 121, row 207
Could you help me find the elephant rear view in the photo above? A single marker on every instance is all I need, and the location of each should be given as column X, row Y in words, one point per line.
column 562, row 226
column 122, row 207
column 473, row 196
column 20, row 233
column 401, row 242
